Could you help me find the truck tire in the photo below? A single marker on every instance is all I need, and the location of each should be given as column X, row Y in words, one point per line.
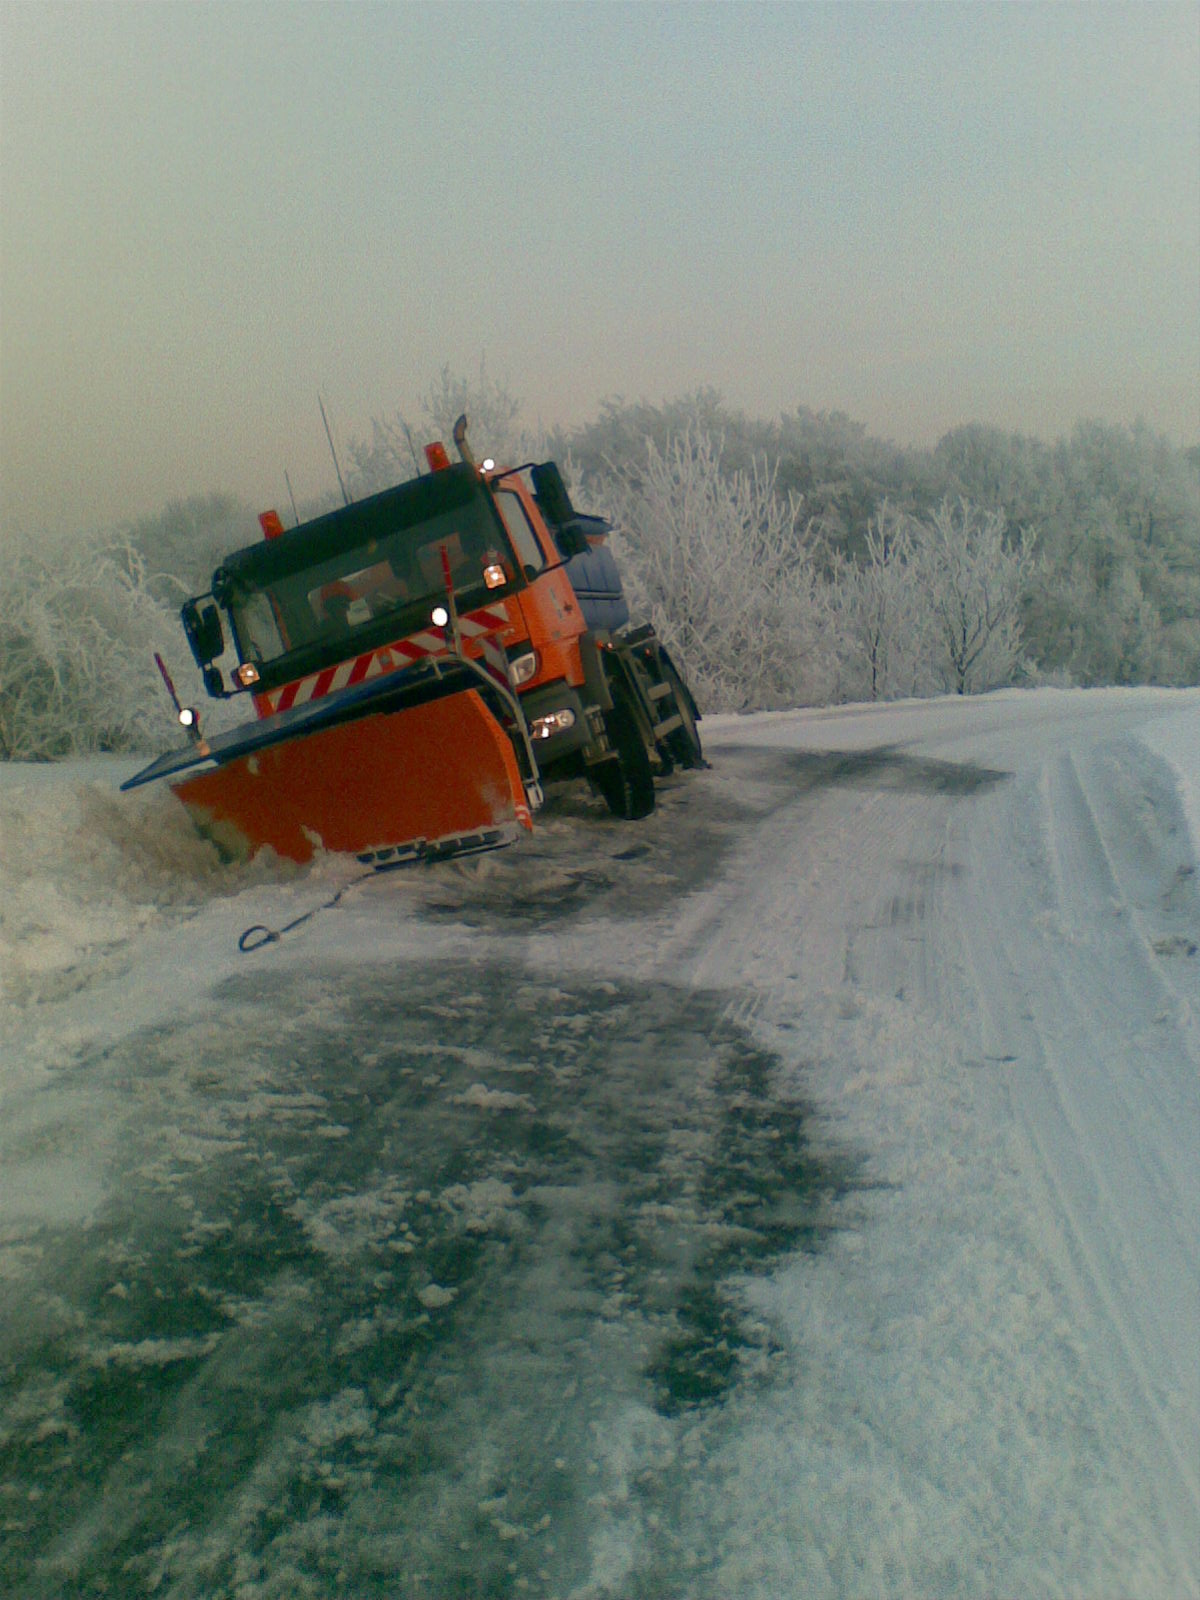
column 626, row 783
column 683, row 743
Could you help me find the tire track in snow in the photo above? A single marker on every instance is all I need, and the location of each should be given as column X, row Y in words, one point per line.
column 855, row 846
column 913, row 917
column 1090, row 1011
column 866, row 881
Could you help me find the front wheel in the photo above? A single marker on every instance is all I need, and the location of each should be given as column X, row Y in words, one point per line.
column 626, row 782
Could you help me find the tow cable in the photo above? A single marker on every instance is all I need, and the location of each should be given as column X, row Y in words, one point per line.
column 258, row 935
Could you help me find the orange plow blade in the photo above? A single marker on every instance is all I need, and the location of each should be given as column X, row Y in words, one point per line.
column 435, row 779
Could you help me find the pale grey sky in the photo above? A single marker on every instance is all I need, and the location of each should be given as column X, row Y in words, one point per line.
column 920, row 214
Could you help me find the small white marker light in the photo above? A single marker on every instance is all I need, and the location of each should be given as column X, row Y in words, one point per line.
column 187, row 716
column 439, row 616
column 488, row 463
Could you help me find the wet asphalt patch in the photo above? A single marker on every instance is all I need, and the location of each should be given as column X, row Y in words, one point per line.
column 882, row 767
column 398, row 1275
column 612, row 868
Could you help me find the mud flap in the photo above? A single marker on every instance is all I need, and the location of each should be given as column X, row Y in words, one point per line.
column 415, row 781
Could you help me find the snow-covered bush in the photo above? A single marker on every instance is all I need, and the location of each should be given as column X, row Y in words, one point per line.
column 723, row 566
column 80, row 620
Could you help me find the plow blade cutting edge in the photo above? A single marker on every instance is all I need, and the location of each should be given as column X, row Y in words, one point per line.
column 433, row 780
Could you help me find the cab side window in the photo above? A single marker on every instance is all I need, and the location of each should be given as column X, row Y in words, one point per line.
column 529, row 552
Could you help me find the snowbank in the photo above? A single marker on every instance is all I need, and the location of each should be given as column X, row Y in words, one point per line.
column 1176, row 739
column 85, row 869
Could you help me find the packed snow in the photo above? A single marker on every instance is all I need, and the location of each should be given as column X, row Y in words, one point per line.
column 795, row 1193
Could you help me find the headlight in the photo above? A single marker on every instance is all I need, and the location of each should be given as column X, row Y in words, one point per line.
column 553, row 722
column 523, row 668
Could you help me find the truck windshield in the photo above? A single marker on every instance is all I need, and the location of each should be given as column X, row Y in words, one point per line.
column 370, row 592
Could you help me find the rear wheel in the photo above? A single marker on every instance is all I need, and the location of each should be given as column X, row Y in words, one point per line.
column 627, row 781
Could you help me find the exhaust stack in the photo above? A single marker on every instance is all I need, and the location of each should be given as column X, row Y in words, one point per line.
column 460, row 440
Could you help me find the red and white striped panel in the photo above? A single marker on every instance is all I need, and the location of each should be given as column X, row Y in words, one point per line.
column 474, row 625
column 494, row 661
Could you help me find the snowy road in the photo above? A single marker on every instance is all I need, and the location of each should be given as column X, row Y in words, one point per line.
column 795, row 1194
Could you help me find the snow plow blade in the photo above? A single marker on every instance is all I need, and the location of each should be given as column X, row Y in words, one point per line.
column 436, row 779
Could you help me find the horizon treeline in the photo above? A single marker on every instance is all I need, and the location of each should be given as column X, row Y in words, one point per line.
column 795, row 561
column 1113, row 511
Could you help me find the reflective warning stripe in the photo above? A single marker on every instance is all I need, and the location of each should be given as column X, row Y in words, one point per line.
column 478, row 626
column 494, row 661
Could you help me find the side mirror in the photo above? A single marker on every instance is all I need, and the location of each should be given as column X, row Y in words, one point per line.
column 570, row 539
column 551, row 493
column 205, row 635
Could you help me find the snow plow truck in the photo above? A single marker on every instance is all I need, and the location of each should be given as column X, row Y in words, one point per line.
column 421, row 663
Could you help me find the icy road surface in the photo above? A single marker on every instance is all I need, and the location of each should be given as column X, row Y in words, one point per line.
column 793, row 1195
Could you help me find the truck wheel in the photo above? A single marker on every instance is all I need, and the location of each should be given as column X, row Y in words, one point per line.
column 683, row 743
column 626, row 783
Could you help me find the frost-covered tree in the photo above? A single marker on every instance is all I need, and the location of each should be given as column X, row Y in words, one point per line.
column 1117, row 511
column 394, row 450
column 975, row 578
column 80, row 620
column 723, row 566
column 1008, row 472
column 842, row 472
column 389, row 456
column 883, row 614
column 185, row 541
column 619, row 433
column 492, row 409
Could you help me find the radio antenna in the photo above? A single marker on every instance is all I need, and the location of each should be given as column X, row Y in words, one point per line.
column 291, row 496
column 336, row 464
column 411, row 446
